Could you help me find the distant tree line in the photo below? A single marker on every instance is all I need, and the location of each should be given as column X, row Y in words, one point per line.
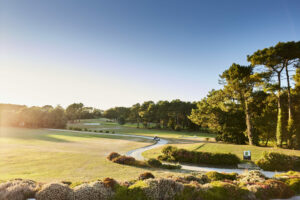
column 163, row 114
column 254, row 106
column 46, row 116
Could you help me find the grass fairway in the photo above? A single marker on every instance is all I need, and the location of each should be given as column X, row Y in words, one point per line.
column 131, row 129
column 44, row 155
column 224, row 148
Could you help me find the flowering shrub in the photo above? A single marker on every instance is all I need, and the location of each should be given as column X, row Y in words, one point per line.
column 18, row 189
column 56, row 191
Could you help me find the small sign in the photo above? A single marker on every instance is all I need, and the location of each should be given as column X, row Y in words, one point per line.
column 247, row 155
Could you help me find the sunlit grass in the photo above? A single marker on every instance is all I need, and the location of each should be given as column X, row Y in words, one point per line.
column 45, row 155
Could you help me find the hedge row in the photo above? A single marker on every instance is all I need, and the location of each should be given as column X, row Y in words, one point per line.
column 278, row 162
column 171, row 153
column 251, row 185
column 128, row 160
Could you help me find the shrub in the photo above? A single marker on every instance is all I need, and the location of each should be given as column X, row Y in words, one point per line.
column 113, row 155
column 106, row 131
column 216, row 176
column 223, row 190
column 131, row 193
column 125, row 160
column 121, row 121
column 104, row 192
column 145, row 176
column 154, row 162
column 272, row 189
column 294, row 184
column 85, row 129
column 18, row 189
column 196, row 157
column 163, row 188
column 85, row 192
column 55, row 191
column 278, row 162
column 110, row 183
column 252, row 176
column 169, row 166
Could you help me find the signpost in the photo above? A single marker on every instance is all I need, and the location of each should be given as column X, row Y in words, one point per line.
column 247, row 155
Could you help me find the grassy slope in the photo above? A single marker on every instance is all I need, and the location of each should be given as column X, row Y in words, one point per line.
column 45, row 155
column 224, row 148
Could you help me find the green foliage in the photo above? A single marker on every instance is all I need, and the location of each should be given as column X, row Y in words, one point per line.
column 219, row 112
column 216, row 176
column 223, row 191
column 196, row 157
column 278, row 162
column 121, row 120
column 294, row 184
column 135, row 192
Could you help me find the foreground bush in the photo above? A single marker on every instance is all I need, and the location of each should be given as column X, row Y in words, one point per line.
column 251, row 185
column 18, row 189
column 55, row 191
column 278, row 162
column 181, row 155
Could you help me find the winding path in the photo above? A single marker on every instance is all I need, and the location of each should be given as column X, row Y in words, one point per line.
column 137, row 153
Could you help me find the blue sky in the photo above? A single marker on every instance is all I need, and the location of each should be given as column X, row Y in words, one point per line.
column 116, row 52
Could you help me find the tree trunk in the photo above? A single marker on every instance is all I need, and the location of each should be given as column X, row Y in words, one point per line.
column 279, row 128
column 290, row 127
column 249, row 124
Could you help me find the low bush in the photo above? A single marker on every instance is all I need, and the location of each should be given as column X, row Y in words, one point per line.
column 278, row 162
column 113, row 155
column 106, row 131
column 170, row 166
column 196, row 157
column 216, row 176
column 145, row 176
column 128, row 160
column 85, row 129
column 154, row 162
column 125, row 160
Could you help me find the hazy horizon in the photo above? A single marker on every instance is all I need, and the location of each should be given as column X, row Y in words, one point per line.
column 112, row 53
